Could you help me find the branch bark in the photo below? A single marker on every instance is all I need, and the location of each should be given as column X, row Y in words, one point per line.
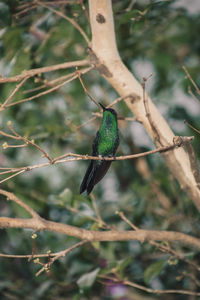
column 104, row 55
column 141, row 235
column 33, row 72
column 68, row 157
column 38, row 223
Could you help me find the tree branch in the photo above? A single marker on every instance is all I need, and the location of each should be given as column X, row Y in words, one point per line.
column 70, row 20
column 68, row 157
column 54, row 88
column 33, row 72
column 141, row 235
column 149, row 290
column 37, row 223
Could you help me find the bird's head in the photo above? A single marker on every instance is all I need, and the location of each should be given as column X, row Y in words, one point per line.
column 108, row 109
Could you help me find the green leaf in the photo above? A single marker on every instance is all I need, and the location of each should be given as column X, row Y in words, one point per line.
column 65, row 196
column 122, row 264
column 5, row 17
column 96, row 245
column 153, row 270
column 87, row 280
column 23, row 61
column 128, row 16
column 12, row 41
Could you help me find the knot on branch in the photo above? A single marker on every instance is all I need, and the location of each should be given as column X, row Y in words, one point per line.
column 180, row 140
column 94, row 60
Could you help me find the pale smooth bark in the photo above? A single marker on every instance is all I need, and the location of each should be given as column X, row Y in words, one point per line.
column 116, row 73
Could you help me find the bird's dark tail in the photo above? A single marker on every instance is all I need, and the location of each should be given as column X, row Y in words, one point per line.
column 84, row 183
column 91, row 180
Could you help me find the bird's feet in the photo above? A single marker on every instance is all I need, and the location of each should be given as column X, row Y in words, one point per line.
column 112, row 156
column 101, row 156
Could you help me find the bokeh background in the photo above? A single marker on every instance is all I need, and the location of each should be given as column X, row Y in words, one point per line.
column 157, row 37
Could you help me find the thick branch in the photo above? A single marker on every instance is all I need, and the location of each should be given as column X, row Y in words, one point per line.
column 105, row 57
column 112, row 235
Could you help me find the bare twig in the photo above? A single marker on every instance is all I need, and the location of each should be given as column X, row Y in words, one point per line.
column 100, row 222
column 84, row 10
column 85, row 90
column 70, row 20
column 192, row 127
column 192, row 94
column 3, row 105
column 17, row 136
column 13, row 175
column 164, row 248
column 58, row 255
column 25, row 8
column 65, row 158
column 130, row 6
column 94, row 204
column 33, row 72
column 148, row 114
column 191, row 80
column 51, row 89
column 11, row 196
column 50, row 82
column 146, row 289
column 193, row 162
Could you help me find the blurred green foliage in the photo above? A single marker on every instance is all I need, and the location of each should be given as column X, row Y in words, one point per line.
column 152, row 36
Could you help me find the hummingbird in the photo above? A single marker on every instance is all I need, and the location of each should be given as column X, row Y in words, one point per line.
column 104, row 144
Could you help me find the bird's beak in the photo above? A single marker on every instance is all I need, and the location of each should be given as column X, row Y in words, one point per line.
column 103, row 107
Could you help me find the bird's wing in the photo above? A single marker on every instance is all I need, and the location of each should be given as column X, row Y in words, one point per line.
column 89, row 170
column 101, row 170
column 98, row 172
column 95, row 144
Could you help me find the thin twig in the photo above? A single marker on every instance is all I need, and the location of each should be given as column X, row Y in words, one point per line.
column 64, row 158
column 193, row 163
column 3, row 105
column 50, row 83
column 85, row 90
column 17, row 136
column 94, row 204
column 70, row 20
column 51, row 89
column 84, row 10
column 191, row 80
column 101, row 223
column 192, row 127
column 162, row 247
column 148, row 114
column 146, row 289
column 11, row 196
column 33, row 72
column 192, row 94
column 9, row 177
column 58, row 255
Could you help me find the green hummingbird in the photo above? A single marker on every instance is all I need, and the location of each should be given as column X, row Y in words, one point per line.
column 104, row 144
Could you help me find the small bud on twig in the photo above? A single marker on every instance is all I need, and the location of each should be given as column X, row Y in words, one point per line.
column 5, row 145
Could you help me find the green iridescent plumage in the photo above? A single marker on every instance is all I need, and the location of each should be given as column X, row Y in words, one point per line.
column 105, row 144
